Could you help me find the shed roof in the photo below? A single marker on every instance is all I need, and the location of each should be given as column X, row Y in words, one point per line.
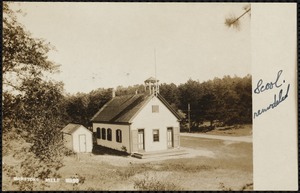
column 121, row 109
column 70, row 128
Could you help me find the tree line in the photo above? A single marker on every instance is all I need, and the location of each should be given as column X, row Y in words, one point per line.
column 227, row 100
column 35, row 109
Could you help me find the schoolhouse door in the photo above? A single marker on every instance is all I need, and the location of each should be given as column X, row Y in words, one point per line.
column 82, row 143
column 141, row 140
column 170, row 137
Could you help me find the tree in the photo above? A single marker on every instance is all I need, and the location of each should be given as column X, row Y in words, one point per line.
column 32, row 106
column 228, row 100
column 138, row 88
column 190, row 93
column 233, row 21
column 171, row 93
column 81, row 107
column 208, row 106
column 24, row 58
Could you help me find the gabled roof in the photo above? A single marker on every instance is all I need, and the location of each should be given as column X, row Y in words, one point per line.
column 70, row 128
column 121, row 109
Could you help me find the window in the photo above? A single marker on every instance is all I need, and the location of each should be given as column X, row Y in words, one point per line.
column 155, row 135
column 119, row 135
column 98, row 133
column 109, row 134
column 103, row 133
column 155, row 108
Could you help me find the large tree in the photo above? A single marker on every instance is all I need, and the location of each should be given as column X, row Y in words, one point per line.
column 24, row 58
column 171, row 93
column 32, row 106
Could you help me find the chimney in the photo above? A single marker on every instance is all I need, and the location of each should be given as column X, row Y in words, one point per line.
column 113, row 93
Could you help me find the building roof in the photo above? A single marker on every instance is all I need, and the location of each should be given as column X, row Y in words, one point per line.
column 121, row 109
column 70, row 128
column 152, row 80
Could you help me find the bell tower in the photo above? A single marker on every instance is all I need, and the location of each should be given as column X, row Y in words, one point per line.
column 151, row 86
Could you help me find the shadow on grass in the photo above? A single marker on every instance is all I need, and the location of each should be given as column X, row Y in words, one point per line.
column 101, row 150
column 202, row 129
column 227, row 128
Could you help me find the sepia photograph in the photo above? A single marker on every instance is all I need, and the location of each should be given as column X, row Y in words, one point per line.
column 127, row 96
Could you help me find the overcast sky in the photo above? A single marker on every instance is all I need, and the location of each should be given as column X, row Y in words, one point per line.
column 111, row 44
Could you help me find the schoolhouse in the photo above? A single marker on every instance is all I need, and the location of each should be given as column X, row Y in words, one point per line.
column 138, row 123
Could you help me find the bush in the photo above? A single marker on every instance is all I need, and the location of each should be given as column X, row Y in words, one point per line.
column 68, row 152
column 247, row 187
column 155, row 185
column 225, row 188
column 127, row 173
column 130, row 171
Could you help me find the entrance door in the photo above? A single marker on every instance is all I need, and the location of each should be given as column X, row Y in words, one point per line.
column 141, row 143
column 170, row 137
column 82, row 143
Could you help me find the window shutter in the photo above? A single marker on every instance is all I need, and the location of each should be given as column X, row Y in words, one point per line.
column 134, row 142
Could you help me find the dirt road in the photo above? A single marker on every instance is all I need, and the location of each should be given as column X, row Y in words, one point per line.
column 247, row 139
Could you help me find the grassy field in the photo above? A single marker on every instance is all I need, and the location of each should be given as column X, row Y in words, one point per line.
column 209, row 165
column 235, row 130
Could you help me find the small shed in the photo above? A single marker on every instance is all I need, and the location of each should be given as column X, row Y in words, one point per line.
column 77, row 138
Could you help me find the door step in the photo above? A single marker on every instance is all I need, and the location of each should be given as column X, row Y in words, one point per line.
column 153, row 154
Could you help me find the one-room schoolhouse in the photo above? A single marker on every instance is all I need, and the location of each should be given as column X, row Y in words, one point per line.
column 138, row 123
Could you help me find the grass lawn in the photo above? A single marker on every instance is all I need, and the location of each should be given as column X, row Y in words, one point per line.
column 209, row 165
column 236, row 130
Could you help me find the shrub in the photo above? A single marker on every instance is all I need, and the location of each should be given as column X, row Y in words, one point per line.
column 68, row 152
column 224, row 188
column 130, row 171
column 127, row 173
column 154, row 185
column 248, row 186
column 123, row 148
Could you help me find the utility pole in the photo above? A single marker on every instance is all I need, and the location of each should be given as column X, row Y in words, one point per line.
column 189, row 116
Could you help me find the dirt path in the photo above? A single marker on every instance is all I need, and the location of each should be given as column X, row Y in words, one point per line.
column 247, row 139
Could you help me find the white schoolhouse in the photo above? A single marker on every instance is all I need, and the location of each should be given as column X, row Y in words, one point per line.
column 138, row 123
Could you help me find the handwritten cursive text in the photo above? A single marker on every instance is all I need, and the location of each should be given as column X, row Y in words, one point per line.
column 270, row 85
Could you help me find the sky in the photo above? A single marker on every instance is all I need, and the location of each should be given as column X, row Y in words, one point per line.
column 104, row 45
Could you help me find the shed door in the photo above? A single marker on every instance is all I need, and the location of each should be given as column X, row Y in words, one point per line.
column 176, row 137
column 82, row 143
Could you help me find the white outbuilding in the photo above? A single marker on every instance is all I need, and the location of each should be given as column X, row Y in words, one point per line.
column 77, row 138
